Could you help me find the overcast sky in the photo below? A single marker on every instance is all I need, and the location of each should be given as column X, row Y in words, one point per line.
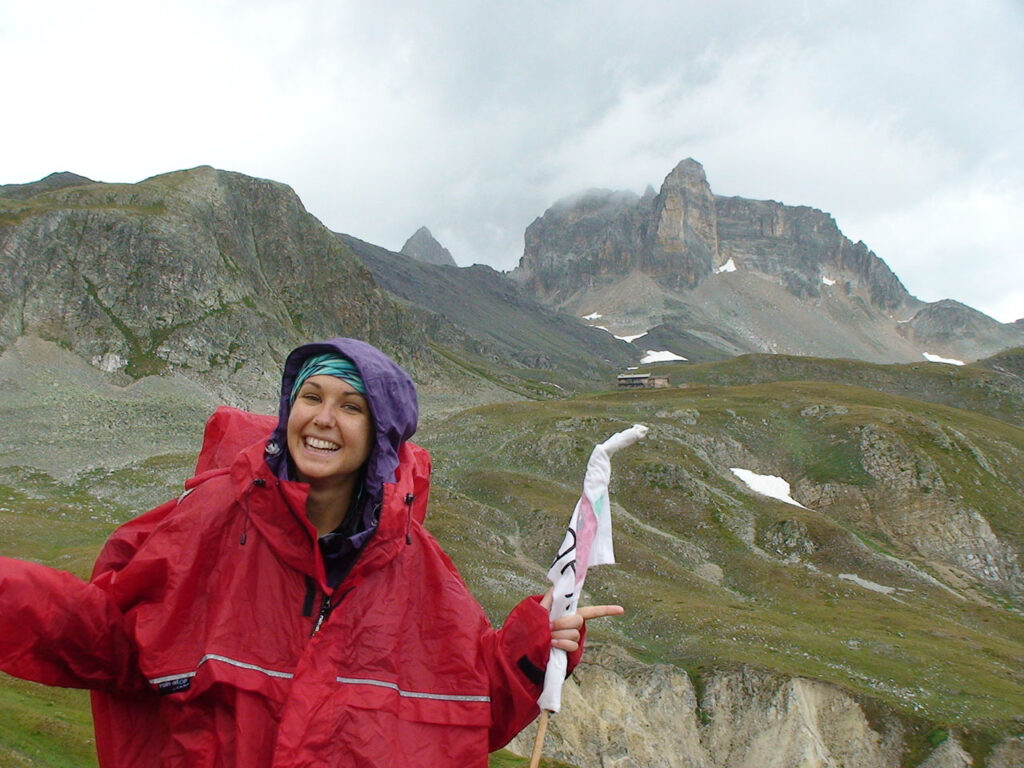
column 904, row 120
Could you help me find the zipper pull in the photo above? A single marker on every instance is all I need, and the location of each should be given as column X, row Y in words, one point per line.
column 325, row 610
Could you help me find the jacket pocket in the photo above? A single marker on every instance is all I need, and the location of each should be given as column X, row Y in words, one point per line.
column 435, row 707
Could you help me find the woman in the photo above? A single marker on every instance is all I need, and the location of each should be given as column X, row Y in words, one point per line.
column 289, row 609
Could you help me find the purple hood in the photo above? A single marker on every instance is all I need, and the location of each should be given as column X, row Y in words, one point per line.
column 391, row 395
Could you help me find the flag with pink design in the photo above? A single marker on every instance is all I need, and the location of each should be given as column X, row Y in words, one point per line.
column 588, row 541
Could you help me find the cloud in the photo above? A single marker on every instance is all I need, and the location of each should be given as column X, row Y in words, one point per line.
column 473, row 118
column 971, row 229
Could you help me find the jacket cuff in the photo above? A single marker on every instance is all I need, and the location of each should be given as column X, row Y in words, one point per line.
column 530, row 642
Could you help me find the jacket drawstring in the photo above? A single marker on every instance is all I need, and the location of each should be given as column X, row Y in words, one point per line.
column 259, row 482
column 409, row 499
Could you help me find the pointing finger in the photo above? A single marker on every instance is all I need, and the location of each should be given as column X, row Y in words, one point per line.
column 598, row 611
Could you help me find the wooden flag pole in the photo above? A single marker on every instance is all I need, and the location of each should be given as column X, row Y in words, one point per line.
column 538, row 744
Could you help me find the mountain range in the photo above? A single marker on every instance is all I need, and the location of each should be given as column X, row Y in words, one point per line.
column 708, row 277
column 872, row 615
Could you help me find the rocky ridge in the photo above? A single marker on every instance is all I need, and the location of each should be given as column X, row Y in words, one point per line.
column 710, row 277
column 203, row 272
column 619, row 712
column 422, row 246
column 214, row 276
column 504, row 325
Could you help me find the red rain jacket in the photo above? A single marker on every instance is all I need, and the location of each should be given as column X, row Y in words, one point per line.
column 210, row 638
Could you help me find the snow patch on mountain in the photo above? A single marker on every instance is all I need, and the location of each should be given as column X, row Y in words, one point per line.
column 867, row 584
column 766, row 485
column 936, row 359
column 664, row 356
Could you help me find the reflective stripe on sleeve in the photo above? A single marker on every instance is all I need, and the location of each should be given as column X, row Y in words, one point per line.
column 225, row 660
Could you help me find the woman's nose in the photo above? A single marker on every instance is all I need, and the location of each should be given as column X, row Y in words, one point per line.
column 322, row 418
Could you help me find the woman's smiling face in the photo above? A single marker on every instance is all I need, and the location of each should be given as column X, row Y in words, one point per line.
column 330, row 431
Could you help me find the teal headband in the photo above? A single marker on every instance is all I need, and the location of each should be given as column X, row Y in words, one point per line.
column 329, row 363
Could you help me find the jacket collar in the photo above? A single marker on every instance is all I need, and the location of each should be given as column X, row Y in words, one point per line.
column 277, row 509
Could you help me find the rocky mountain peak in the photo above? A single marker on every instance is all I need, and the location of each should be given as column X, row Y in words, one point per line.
column 54, row 181
column 682, row 245
column 687, row 171
column 197, row 272
column 422, row 246
column 708, row 276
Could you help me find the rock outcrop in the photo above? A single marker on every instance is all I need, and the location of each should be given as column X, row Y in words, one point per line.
column 199, row 272
column 422, row 246
column 710, row 277
column 623, row 713
column 684, row 233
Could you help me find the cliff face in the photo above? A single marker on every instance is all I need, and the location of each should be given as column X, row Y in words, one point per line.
column 580, row 241
column 802, row 248
column 199, row 272
column 620, row 712
column 600, row 235
column 684, row 233
column 710, row 277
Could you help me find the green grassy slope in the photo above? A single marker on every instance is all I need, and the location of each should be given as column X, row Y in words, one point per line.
column 713, row 575
column 61, row 526
column 993, row 386
column 941, row 646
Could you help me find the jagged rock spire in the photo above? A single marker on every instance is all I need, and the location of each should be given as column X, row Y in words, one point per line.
column 423, row 247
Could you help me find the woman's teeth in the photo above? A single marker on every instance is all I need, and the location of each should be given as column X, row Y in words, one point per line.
column 321, row 445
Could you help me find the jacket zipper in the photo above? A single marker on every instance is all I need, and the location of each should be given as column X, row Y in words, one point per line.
column 325, row 611
column 327, row 606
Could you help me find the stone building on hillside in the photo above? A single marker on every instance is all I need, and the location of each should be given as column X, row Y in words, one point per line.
column 641, row 381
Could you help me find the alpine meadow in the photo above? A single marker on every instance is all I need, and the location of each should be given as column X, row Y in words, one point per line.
column 872, row 616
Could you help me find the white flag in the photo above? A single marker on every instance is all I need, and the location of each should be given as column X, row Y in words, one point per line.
column 588, row 541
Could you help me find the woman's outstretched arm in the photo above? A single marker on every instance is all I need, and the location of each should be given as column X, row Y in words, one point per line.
column 56, row 629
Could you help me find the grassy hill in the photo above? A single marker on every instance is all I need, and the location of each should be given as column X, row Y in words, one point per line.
column 896, row 579
column 993, row 386
column 715, row 574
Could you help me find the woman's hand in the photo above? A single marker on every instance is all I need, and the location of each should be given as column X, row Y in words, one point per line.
column 565, row 631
